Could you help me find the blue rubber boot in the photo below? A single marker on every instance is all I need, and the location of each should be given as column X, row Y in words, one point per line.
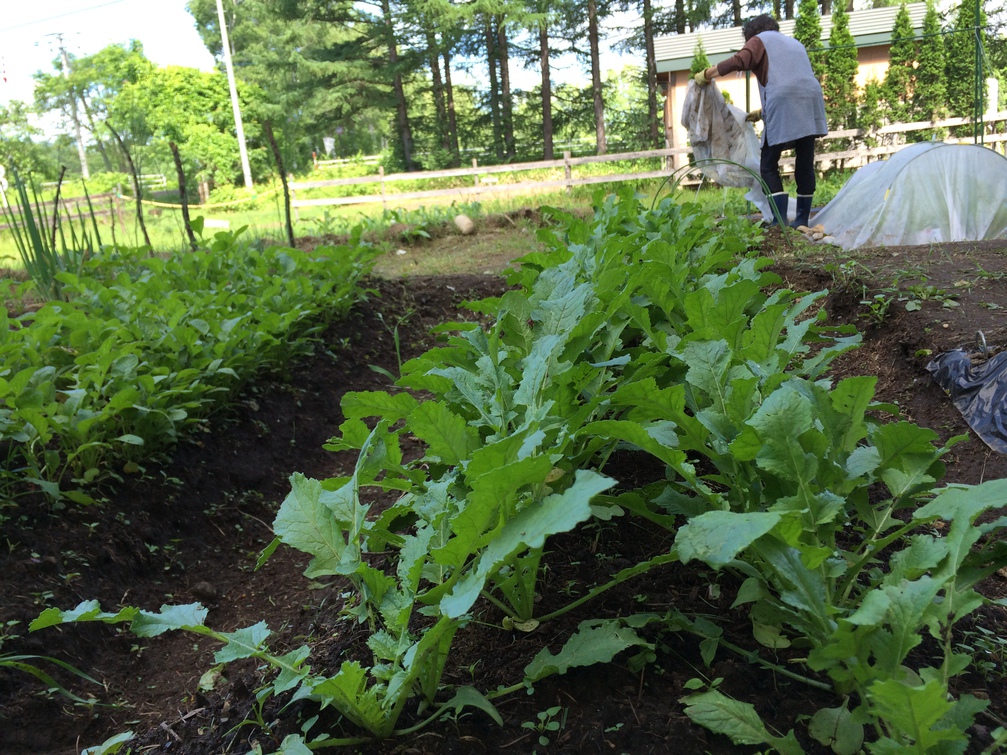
column 803, row 210
column 782, row 202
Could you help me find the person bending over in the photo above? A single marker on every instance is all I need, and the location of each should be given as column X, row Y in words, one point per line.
column 792, row 107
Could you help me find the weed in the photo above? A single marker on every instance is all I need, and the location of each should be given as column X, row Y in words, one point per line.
column 546, row 723
column 877, row 306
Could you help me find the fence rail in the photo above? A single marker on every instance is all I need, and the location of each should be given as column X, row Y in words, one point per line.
column 483, row 182
column 102, row 204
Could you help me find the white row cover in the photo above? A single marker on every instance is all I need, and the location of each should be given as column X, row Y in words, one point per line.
column 925, row 193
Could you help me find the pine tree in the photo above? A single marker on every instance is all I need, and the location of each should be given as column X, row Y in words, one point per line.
column 961, row 58
column 900, row 79
column 808, row 31
column 700, row 62
column 841, row 65
column 871, row 115
column 930, row 96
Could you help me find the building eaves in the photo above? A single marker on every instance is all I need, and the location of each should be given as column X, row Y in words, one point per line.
column 868, row 27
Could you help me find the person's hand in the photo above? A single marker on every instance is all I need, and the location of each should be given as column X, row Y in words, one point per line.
column 706, row 76
column 755, row 115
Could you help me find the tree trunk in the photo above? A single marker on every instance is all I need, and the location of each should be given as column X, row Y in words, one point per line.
column 648, row 36
column 826, row 7
column 491, row 60
column 599, row 103
column 788, row 9
column 543, row 43
column 507, row 119
column 97, row 139
column 736, row 9
column 401, row 110
column 438, row 91
column 680, row 16
column 452, row 115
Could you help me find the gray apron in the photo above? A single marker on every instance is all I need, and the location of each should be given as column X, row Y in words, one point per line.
column 792, row 104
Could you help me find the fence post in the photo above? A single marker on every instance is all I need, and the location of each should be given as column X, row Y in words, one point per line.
column 381, row 174
column 567, row 171
column 475, row 178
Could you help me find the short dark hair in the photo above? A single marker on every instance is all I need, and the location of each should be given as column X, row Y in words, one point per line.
column 759, row 24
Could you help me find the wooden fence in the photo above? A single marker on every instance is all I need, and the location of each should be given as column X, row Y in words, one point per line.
column 103, row 204
column 854, row 154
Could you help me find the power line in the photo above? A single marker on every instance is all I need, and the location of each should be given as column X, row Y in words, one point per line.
column 61, row 15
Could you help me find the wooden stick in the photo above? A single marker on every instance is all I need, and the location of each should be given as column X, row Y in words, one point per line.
column 55, row 204
column 181, row 192
column 283, row 178
column 136, row 182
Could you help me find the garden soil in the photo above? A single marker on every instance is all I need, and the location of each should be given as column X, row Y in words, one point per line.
column 190, row 529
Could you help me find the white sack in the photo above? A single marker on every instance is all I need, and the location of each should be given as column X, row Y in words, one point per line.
column 718, row 129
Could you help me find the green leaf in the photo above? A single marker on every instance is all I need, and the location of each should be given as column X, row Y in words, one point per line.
column 968, row 502
column 784, row 415
column 911, row 712
column 110, row 746
column 305, row 523
column 244, row 643
column 708, row 362
column 835, row 728
column 392, row 407
column 717, row 537
column 149, row 624
column 480, row 514
column 88, row 610
column 592, row 643
column 470, row 697
column 529, row 529
column 736, row 720
column 646, row 401
column 449, row 438
column 293, row 744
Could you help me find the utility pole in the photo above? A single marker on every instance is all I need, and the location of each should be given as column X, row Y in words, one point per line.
column 226, row 44
column 81, row 152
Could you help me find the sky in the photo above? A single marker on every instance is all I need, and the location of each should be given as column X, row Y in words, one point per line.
column 167, row 31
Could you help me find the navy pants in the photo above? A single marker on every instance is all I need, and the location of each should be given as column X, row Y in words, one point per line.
column 804, row 170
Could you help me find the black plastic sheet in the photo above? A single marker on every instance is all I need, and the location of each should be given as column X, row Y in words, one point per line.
column 978, row 391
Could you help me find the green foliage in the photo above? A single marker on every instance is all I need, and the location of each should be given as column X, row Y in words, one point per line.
column 960, row 57
column 193, row 109
column 841, row 66
column 900, row 79
column 930, row 95
column 700, row 62
column 808, row 31
column 144, row 348
column 18, row 146
column 650, row 330
column 36, row 242
column 313, row 65
column 870, row 115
